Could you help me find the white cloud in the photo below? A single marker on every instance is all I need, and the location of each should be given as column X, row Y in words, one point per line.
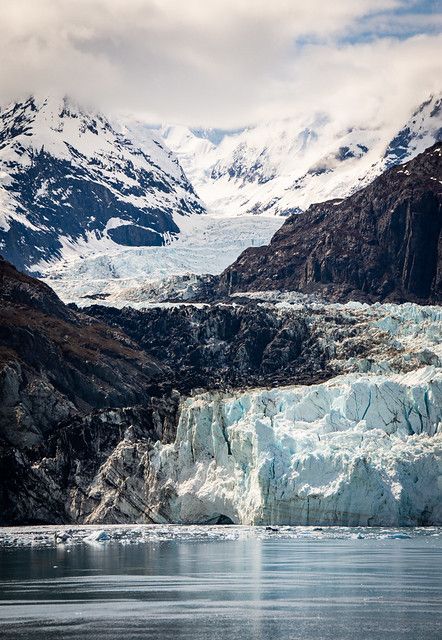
column 221, row 63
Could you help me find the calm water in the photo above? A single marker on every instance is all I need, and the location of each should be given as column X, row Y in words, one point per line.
column 240, row 589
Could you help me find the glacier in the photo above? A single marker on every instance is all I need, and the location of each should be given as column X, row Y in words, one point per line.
column 357, row 450
column 207, row 244
column 362, row 448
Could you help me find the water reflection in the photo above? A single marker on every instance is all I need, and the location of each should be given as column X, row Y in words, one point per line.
column 246, row 588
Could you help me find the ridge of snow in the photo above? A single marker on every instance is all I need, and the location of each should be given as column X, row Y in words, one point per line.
column 284, row 166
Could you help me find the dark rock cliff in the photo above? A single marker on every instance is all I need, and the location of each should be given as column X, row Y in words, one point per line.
column 224, row 345
column 71, row 389
column 382, row 243
column 56, row 363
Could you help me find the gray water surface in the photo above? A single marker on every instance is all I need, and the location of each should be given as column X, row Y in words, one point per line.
column 241, row 589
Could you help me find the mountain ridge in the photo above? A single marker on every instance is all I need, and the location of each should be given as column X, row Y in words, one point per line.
column 283, row 166
column 70, row 181
column 381, row 243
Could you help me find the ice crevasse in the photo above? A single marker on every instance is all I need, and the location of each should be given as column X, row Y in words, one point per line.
column 356, row 450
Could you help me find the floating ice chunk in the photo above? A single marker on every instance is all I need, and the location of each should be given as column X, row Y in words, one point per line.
column 62, row 537
column 97, row 536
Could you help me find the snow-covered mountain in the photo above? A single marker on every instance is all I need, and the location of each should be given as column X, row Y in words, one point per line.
column 283, row 166
column 79, row 191
column 72, row 182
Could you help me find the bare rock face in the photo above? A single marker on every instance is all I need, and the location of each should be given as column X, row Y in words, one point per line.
column 219, row 345
column 72, row 390
column 56, row 363
column 91, row 469
column 381, row 244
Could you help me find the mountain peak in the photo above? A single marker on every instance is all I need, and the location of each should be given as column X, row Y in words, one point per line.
column 71, row 180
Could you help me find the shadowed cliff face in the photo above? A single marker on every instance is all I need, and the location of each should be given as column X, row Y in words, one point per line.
column 71, row 389
column 56, row 363
column 382, row 243
column 224, row 345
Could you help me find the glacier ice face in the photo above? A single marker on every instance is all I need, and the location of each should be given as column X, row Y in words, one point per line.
column 357, row 450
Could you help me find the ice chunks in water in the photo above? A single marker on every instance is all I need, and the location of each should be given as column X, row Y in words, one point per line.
column 97, row 536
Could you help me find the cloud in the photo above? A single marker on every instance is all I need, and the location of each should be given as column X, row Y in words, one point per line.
column 223, row 63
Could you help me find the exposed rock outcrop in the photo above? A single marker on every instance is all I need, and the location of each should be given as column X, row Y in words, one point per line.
column 382, row 243
column 56, row 363
column 91, row 469
column 221, row 345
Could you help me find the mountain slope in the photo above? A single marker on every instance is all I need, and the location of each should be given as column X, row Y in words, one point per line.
column 383, row 242
column 281, row 167
column 56, row 363
column 70, row 183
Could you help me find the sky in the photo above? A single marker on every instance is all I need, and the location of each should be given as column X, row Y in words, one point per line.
column 225, row 63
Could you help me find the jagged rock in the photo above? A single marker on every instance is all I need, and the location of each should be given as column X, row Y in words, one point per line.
column 224, row 344
column 382, row 243
column 89, row 470
column 248, row 342
column 56, row 363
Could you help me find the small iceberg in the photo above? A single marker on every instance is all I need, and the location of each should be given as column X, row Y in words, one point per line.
column 97, row 536
column 61, row 537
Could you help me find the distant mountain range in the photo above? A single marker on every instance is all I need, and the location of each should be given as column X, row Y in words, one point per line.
column 76, row 184
column 70, row 180
column 282, row 167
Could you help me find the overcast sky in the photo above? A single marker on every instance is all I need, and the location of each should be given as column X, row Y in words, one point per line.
column 225, row 63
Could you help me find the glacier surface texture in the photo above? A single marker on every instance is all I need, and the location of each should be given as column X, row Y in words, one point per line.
column 357, row 450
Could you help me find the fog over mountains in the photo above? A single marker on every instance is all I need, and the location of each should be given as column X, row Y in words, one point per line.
column 284, row 166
